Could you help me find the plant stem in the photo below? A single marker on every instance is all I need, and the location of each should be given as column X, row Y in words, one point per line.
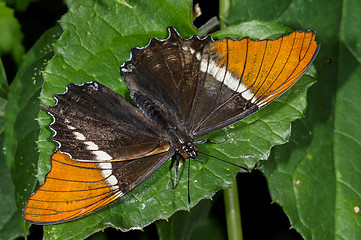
column 231, row 201
column 223, row 10
column 233, row 213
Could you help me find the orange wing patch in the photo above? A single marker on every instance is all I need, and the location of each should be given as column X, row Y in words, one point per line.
column 72, row 189
column 267, row 68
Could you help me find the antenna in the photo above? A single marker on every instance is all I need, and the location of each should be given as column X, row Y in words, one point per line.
column 220, row 159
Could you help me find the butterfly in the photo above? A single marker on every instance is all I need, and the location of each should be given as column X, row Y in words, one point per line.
column 183, row 89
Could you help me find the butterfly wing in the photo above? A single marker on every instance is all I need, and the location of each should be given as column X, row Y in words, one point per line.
column 204, row 85
column 93, row 123
column 73, row 189
column 247, row 75
column 106, row 148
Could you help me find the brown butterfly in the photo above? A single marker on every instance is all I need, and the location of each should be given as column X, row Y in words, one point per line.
column 184, row 89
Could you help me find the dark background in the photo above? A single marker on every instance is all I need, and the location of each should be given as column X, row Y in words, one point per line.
column 260, row 218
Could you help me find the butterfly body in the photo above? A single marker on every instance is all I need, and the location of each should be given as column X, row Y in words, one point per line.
column 178, row 138
column 183, row 89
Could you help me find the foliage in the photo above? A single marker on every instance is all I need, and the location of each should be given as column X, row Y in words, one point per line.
column 315, row 177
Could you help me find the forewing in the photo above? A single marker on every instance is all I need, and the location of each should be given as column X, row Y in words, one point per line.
column 93, row 123
column 245, row 75
column 73, row 189
column 203, row 85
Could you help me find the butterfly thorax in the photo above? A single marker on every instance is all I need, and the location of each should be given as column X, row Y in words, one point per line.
column 182, row 144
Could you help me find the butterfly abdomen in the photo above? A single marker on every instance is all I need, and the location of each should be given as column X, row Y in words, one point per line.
column 150, row 110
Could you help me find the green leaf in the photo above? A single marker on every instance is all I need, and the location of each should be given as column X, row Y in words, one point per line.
column 245, row 10
column 9, row 221
column 347, row 137
column 124, row 3
column 256, row 29
column 182, row 224
column 9, row 228
column 3, row 95
column 97, row 39
column 316, row 176
column 208, row 228
column 10, row 34
column 3, row 82
column 19, row 5
column 21, row 128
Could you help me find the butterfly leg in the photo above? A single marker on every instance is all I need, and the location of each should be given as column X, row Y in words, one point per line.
column 176, row 158
column 207, row 140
